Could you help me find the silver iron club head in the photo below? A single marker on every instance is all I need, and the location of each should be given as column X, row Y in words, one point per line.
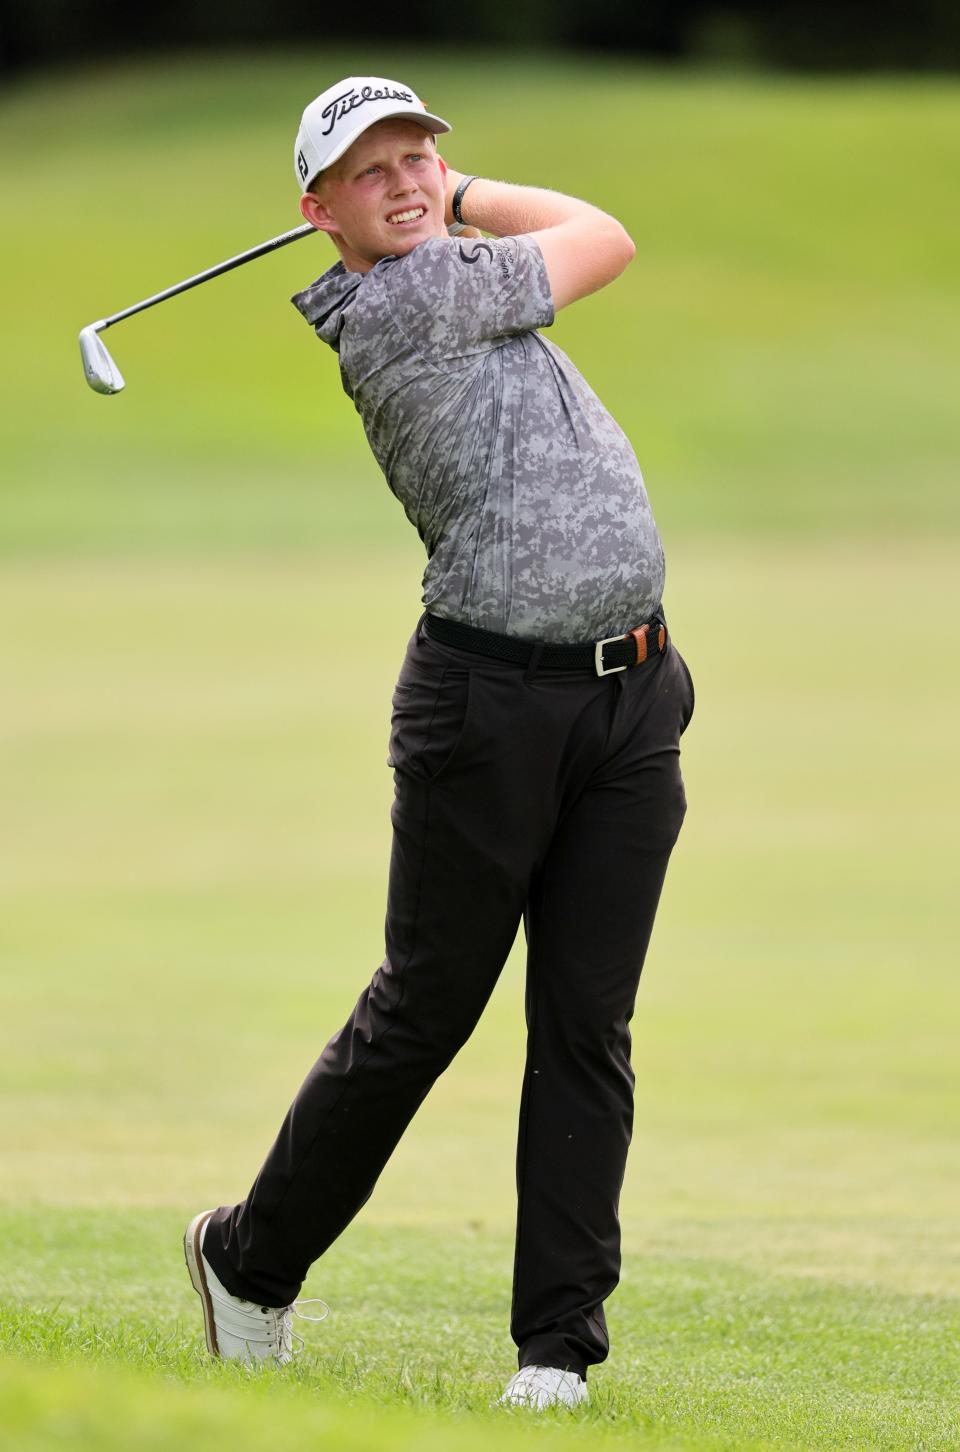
column 99, row 369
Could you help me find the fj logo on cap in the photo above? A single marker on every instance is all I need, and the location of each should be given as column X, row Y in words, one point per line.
column 302, row 165
column 348, row 101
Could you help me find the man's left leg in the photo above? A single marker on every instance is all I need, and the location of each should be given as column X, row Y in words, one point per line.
column 588, row 921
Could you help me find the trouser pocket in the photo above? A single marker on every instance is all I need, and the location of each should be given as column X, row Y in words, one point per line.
column 431, row 708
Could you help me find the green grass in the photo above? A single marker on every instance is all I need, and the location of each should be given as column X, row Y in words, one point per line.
column 711, row 1355
column 198, row 816
column 195, row 796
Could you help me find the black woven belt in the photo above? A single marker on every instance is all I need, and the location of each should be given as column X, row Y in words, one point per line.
column 603, row 657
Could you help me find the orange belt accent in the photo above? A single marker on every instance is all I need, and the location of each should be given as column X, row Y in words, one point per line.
column 640, row 636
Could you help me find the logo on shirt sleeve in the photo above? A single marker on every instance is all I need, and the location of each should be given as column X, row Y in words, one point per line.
column 504, row 256
column 474, row 256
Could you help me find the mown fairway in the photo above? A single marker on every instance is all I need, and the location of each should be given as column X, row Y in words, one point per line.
column 195, row 795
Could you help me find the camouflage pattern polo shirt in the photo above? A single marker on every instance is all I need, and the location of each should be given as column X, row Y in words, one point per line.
column 526, row 493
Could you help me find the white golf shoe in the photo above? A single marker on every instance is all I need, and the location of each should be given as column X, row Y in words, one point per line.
column 239, row 1330
column 544, row 1386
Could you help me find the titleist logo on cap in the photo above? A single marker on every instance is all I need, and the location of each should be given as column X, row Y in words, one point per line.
column 348, row 101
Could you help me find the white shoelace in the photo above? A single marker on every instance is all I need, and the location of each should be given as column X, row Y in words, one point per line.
column 295, row 1336
column 310, row 1301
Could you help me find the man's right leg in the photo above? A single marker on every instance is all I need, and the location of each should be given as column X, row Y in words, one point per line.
column 455, row 900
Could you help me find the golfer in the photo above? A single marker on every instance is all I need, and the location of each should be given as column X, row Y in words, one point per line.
column 535, row 730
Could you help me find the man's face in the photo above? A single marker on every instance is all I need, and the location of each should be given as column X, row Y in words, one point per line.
column 385, row 195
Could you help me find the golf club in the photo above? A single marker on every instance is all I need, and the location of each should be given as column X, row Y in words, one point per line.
column 99, row 369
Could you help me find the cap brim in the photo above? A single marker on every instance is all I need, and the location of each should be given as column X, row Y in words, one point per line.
column 426, row 119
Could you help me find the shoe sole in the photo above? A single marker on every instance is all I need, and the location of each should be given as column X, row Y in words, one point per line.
column 194, row 1260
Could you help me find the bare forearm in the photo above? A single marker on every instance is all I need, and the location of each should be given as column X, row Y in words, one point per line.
column 583, row 248
column 507, row 210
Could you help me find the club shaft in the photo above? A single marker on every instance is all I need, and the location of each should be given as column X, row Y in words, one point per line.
column 232, row 262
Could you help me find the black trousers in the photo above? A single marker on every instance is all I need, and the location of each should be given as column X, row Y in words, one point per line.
column 551, row 796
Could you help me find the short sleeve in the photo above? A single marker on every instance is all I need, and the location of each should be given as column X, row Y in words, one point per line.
column 453, row 296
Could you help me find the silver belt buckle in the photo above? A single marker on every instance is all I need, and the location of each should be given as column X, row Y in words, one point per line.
column 603, row 670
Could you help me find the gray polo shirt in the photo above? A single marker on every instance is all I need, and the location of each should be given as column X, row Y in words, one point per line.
column 526, row 493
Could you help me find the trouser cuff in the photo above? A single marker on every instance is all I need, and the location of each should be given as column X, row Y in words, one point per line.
column 549, row 1351
column 214, row 1251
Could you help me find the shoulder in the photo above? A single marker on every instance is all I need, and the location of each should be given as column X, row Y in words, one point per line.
column 454, row 297
column 430, row 258
column 460, row 256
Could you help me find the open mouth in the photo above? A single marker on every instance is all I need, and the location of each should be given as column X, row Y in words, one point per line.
column 397, row 219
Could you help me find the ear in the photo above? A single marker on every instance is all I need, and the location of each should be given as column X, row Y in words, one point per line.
column 443, row 166
column 313, row 211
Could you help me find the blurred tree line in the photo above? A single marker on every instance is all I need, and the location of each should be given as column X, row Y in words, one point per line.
column 798, row 34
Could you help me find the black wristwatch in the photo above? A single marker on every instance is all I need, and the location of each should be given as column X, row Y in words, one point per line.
column 458, row 198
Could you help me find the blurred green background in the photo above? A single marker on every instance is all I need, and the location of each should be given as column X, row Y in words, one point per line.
column 194, row 789
column 782, row 352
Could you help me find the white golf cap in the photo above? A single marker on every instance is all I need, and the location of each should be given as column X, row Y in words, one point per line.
column 343, row 112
